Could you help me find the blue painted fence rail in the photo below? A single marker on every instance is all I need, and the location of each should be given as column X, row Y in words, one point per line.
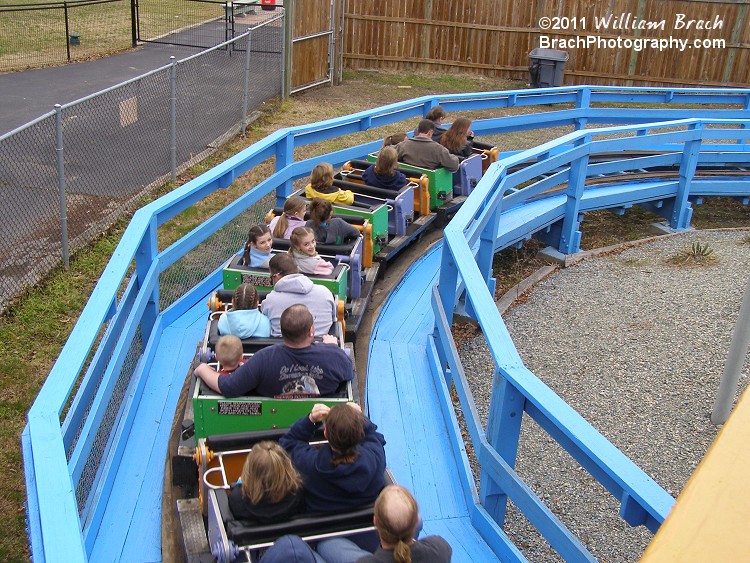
column 57, row 439
column 481, row 227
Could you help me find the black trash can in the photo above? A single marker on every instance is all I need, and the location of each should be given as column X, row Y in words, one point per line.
column 546, row 68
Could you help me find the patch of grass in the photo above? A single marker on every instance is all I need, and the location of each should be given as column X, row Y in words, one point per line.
column 33, row 334
column 605, row 228
column 445, row 82
column 513, row 265
column 718, row 212
column 36, row 37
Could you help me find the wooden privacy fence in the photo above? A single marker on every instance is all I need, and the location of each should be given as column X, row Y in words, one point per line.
column 620, row 42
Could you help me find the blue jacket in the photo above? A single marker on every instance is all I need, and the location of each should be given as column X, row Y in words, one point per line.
column 244, row 323
column 335, row 488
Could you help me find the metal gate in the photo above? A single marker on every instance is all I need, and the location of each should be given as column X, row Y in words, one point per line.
column 201, row 24
column 315, row 51
column 313, row 40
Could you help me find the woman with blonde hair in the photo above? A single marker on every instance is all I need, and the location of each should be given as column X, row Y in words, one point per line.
column 270, row 489
column 302, row 249
column 321, row 185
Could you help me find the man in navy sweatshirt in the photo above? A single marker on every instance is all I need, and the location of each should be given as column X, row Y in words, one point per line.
column 297, row 367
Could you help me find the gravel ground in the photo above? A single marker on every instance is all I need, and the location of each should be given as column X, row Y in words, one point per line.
column 637, row 346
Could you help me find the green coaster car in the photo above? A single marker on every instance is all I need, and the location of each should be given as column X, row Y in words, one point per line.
column 375, row 213
column 235, row 274
column 214, row 414
column 440, row 181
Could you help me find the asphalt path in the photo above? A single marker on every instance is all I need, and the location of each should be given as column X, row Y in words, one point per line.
column 116, row 143
column 29, row 94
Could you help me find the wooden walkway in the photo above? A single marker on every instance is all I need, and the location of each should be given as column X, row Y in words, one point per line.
column 131, row 524
column 402, row 400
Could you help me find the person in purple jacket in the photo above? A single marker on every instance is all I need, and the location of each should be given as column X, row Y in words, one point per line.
column 346, row 473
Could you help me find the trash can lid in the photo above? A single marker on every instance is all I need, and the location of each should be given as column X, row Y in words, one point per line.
column 549, row 54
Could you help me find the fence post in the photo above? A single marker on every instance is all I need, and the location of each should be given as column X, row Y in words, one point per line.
column 284, row 157
column 286, row 58
column 229, row 25
column 246, row 87
column 67, row 29
column 173, row 118
column 682, row 211
column 144, row 259
column 332, row 46
column 735, row 360
column 447, row 281
column 504, row 420
column 570, row 237
column 134, row 22
column 583, row 101
column 486, row 251
column 61, row 186
column 745, row 125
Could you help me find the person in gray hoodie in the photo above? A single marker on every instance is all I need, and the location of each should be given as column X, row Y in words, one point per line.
column 291, row 288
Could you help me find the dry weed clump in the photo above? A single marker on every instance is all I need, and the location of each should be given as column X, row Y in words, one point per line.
column 697, row 255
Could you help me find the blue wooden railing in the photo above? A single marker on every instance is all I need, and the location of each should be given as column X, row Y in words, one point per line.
column 485, row 223
column 123, row 311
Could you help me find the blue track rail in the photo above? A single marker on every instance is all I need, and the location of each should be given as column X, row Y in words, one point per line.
column 94, row 445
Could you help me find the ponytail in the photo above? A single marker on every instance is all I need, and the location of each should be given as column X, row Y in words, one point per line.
column 245, row 261
column 402, row 552
column 320, row 210
column 293, row 204
column 397, row 523
column 348, row 456
column 280, row 227
column 345, row 431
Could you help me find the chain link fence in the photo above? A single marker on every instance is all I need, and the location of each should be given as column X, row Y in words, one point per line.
column 72, row 173
column 194, row 23
column 173, row 283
